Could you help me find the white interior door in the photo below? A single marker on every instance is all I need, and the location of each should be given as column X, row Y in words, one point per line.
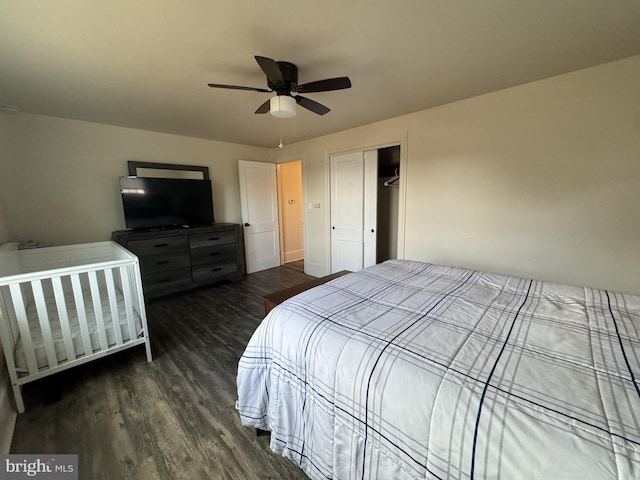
column 347, row 199
column 259, row 204
column 370, row 207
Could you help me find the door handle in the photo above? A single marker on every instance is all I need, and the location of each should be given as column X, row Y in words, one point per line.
column 246, row 224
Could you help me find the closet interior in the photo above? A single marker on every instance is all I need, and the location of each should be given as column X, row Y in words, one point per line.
column 387, row 203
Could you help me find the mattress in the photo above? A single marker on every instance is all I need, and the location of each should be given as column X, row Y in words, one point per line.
column 410, row 370
column 74, row 324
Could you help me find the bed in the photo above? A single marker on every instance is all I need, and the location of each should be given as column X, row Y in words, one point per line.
column 411, row 370
column 64, row 306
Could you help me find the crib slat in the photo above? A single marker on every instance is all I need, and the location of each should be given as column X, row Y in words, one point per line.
column 113, row 304
column 45, row 326
column 8, row 335
column 132, row 288
column 63, row 315
column 97, row 309
column 23, row 326
column 11, row 335
column 82, row 314
column 126, row 293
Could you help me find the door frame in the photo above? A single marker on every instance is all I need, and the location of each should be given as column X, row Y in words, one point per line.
column 399, row 139
column 280, row 214
column 305, row 206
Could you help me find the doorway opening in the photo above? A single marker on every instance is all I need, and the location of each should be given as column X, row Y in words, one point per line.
column 290, row 209
column 388, row 203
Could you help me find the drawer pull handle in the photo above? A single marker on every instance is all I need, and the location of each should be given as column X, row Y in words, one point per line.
column 160, row 245
column 214, row 238
column 217, row 269
column 214, row 253
column 164, row 280
column 163, row 262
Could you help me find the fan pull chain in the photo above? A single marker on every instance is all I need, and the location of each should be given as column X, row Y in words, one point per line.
column 281, row 144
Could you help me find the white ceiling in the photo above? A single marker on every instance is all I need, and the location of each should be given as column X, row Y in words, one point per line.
column 146, row 63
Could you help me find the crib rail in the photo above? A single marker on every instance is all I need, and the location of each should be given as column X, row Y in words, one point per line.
column 55, row 319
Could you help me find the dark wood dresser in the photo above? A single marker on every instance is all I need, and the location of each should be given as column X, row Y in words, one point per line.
column 179, row 259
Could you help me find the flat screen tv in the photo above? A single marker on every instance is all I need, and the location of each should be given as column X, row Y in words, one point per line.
column 151, row 203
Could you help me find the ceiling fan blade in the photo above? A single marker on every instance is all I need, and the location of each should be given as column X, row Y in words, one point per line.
column 326, row 85
column 265, row 107
column 238, row 87
column 270, row 68
column 312, row 105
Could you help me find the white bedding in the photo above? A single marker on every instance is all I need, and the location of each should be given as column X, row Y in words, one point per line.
column 74, row 324
column 411, row 370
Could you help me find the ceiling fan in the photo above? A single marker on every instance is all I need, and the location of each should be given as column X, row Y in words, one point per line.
column 282, row 78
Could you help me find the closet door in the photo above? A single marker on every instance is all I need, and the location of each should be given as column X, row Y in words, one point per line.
column 370, row 207
column 354, row 194
column 347, row 202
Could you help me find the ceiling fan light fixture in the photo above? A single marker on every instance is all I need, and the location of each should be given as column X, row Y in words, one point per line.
column 282, row 106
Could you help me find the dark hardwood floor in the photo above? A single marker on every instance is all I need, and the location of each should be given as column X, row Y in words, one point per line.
column 296, row 265
column 175, row 417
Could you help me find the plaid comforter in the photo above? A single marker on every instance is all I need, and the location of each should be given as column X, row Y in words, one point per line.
column 412, row 370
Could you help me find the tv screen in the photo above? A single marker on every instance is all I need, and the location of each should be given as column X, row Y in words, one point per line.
column 166, row 202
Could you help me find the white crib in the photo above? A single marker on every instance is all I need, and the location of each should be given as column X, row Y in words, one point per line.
column 64, row 306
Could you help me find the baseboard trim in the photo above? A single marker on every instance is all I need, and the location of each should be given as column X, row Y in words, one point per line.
column 315, row 270
column 293, row 255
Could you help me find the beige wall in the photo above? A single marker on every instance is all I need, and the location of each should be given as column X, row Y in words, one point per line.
column 540, row 180
column 5, row 236
column 61, row 176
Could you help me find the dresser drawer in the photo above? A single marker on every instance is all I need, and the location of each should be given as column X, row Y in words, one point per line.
column 217, row 253
column 180, row 276
column 153, row 246
column 213, row 238
column 161, row 263
column 213, row 271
